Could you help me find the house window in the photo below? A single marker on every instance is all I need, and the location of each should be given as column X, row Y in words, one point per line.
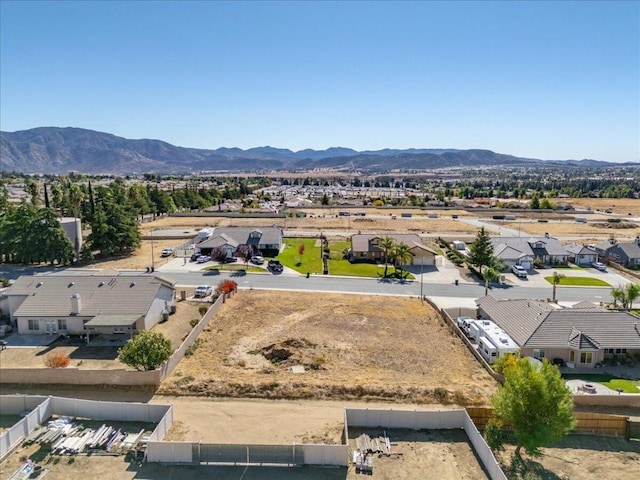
column 118, row 329
column 538, row 353
column 363, row 254
column 34, row 324
column 572, row 356
column 62, row 324
column 586, row 357
column 621, row 350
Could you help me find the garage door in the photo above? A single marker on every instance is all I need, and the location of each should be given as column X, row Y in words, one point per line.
column 423, row 260
column 526, row 265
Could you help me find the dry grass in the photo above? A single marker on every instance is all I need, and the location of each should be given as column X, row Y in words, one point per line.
column 594, row 229
column 352, row 346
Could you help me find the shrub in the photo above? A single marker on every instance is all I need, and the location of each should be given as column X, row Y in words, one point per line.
column 494, row 435
column 57, row 360
column 194, row 321
column 192, row 348
column 226, row 286
column 146, row 351
column 441, row 394
column 202, row 310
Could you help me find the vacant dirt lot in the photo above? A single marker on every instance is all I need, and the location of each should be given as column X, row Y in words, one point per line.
column 351, row 347
column 578, row 457
column 442, row 453
column 597, row 230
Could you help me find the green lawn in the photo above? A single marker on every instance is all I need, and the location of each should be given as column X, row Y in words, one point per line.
column 571, row 266
column 628, row 386
column 579, row 281
column 311, row 262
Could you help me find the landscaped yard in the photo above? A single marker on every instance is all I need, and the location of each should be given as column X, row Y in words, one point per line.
column 628, row 386
column 579, row 282
column 311, row 261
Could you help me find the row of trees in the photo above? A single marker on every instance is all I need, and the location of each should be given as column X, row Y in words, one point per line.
column 396, row 253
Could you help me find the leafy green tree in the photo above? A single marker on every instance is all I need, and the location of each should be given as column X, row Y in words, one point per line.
column 32, row 189
column 386, row 244
column 481, row 250
column 555, row 280
column 619, row 295
column 325, row 199
column 535, row 402
column 53, row 243
column 146, row 351
column 535, row 202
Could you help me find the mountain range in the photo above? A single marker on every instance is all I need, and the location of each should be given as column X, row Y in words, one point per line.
column 53, row 150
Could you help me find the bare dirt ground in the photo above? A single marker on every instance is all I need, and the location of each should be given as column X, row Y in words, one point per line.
column 442, row 453
column 620, row 206
column 577, row 457
column 597, row 230
column 351, row 347
column 97, row 357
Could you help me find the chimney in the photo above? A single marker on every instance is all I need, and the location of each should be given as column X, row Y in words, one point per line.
column 612, row 241
column 75, row 304
column 546, row 234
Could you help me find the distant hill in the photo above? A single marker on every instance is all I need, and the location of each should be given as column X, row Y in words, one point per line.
column 56, row 150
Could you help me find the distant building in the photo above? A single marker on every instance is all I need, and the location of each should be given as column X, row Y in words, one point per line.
column 366, row 248
column 73, row 230
column 627, row 253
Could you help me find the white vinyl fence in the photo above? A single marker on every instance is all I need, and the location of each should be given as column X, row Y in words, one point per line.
column 40, row 409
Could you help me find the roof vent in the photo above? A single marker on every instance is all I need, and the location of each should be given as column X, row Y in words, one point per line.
column 39, row 284
column 133, row 284
column 101, row 284
column 71, row 284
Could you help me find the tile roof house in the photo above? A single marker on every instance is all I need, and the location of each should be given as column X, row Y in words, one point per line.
column 365, row 248
column 88, row 303
column 524, row 250
column 627, row 253
column 583, row 335
column 581, row 255
column 264, row 240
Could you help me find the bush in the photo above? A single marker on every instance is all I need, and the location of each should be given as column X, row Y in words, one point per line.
column 202, row 310
column 441, row 394
column 226, row 286
column 57, row 360
column 194, row 321
column 494, row 435
column 192, row 348
column 146, row 351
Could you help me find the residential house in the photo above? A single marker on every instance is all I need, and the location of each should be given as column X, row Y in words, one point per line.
column 366, row 248
column 582, row 336
column 525, row 250
column 265, row 241
column 626, row 253
column 581, row 255
column 104, row 302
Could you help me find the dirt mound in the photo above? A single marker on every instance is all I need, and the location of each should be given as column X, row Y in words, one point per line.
column 293, row 351
column 616, row 225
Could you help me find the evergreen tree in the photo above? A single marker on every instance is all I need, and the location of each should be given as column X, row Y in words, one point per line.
column 481, row 251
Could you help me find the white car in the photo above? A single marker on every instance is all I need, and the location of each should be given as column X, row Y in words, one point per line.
column 599, row 266
column 257, row 260
column 519, row 271
column 167, row 252
column 203, row 259
column 203, row 291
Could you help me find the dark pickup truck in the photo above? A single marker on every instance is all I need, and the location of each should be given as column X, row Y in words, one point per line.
column 275, row 266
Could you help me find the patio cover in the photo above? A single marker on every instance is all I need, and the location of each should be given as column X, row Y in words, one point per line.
column 112, row 320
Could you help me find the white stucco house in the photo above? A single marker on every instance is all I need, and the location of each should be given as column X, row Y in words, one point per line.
column 105, row 302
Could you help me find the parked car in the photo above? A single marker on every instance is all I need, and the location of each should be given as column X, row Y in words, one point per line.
column 203, row 259
column 519, row 271
column 257, row 260
column 167, row 252
column 599, row 266
column 275, row 266
column 203, row 291
column 195, row 256
column 230, row 259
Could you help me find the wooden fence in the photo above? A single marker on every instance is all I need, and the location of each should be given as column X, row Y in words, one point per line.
column 587, row 423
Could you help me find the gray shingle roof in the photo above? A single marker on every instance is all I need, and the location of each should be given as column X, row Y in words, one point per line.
column 270, row 235
column 519, row 318
column 579, row 340
column 218, row 241
column 576, row 249
column 360, row 242
column 50, row 295
column 539, row 325
column 551, row 246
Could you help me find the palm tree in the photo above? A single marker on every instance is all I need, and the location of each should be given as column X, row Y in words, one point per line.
column 401, row 254
column 386, row 244
column 618, row 294
column 555, row 280
column 489, row 274
column 632, row 292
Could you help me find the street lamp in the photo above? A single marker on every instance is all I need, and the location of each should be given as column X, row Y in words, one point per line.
column 153, row 257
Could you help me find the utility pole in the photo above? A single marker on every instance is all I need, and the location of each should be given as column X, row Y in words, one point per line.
column 153, row 257
column 421, row 279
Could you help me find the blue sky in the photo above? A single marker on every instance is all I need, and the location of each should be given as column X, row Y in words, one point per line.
column 551, row 80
